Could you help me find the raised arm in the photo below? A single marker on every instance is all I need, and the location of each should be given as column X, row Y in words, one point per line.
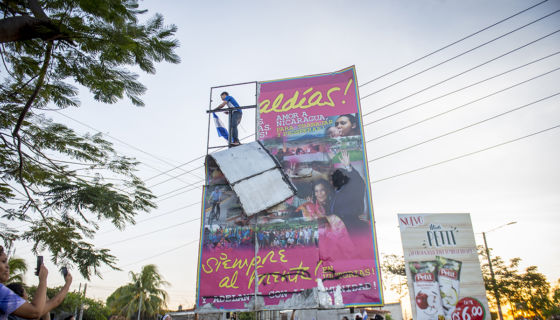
column 59, row 297
column 35, row 308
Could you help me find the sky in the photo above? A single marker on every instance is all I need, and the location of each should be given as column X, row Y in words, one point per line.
column 226, row 42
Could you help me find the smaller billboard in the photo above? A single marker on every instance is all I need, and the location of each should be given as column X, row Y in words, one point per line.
column 442, row 267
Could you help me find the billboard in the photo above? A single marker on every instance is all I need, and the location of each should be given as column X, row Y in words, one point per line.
column 442, row 267
column 318, row 248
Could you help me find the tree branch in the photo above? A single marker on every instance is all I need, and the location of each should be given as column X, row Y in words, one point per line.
column 38, row 87
column 38, row 12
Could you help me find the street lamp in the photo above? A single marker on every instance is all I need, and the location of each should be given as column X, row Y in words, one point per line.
column 496, row 293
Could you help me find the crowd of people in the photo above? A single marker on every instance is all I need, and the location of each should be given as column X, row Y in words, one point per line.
column 288, row 238
column 13, row 297
column 228, row 237
column 239, row 237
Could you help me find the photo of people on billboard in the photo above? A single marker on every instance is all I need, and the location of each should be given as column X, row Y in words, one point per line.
column 323, row 236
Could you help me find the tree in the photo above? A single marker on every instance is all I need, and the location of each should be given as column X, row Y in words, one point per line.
column 146, row 286
column 394, row 274
column 59, row 183
column 18, row 268
column 93, row 309
column 527, row 293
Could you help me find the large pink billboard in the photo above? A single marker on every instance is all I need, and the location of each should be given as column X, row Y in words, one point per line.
column 317, row 249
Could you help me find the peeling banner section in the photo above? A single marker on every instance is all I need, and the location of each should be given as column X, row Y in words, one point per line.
column 317, row 249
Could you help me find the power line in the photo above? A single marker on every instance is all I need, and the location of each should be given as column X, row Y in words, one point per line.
column 438, row 137
column 181, row 165
column 155, row 217
column 384, row 179
column 153, row 256
column 463, row 88
column 183, row 192
column 181, row 188
column 466, row 127
column 451, row 44
column 175, row 167
column 422, row 71
column 161, row 253
column 459, row 55
column 463, row 72
column 123, row 142
column 532, row 42
column 467, row 154
column 175, row 177
column 461, row 106
column 149, row 233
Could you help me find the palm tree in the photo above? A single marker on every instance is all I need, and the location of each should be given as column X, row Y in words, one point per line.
column 18, row 268
column 146, row 288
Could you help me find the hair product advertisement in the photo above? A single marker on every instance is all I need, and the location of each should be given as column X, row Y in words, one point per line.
column 444, row 276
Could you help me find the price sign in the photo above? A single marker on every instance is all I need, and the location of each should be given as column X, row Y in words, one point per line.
column 468, row 309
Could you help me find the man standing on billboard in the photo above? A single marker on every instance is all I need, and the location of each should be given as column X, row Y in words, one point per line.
column 235, row 117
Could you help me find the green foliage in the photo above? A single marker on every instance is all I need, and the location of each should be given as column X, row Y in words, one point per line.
column 93, row 309
column 56, row 183
column 145, row 286
column 528, row 293
column 245, row 316
column 18, row 268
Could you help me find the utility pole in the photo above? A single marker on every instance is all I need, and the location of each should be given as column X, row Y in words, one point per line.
column 496, row 293
column 76, row 309
column 139, row 306
column 82, row 303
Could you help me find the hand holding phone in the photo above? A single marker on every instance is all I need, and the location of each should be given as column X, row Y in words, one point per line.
column 64, row 272
column 39, row 263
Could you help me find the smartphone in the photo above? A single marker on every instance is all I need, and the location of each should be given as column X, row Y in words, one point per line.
column 64, row 271
column 39, row 263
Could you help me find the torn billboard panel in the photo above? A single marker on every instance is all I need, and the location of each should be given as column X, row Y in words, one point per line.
column 320, row 242
column 254, row 176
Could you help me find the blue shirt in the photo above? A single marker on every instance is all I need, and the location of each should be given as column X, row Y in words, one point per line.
column 231, row 103
column 216, row 195
column 9, row 302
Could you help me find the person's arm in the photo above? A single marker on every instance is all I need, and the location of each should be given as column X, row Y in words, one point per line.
column 36, row 308
column 223, row 104
column 59, row 297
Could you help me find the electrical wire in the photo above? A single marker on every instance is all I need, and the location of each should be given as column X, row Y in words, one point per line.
column 466, row 155
column 462, row 73
column 461, row 106
column 394, row 70
column 149, row 233
column 181, row 188
column 459, row 55
column 155, row 217
column 183, row 192
column 122, row 142
column 181, row 165
column 161, row 253
column 451, row 44
column 461, row 89
column 466, row 127
column 408, row 148
column 408, row 96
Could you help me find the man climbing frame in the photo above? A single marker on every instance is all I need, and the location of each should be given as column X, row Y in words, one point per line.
column 234, row 119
